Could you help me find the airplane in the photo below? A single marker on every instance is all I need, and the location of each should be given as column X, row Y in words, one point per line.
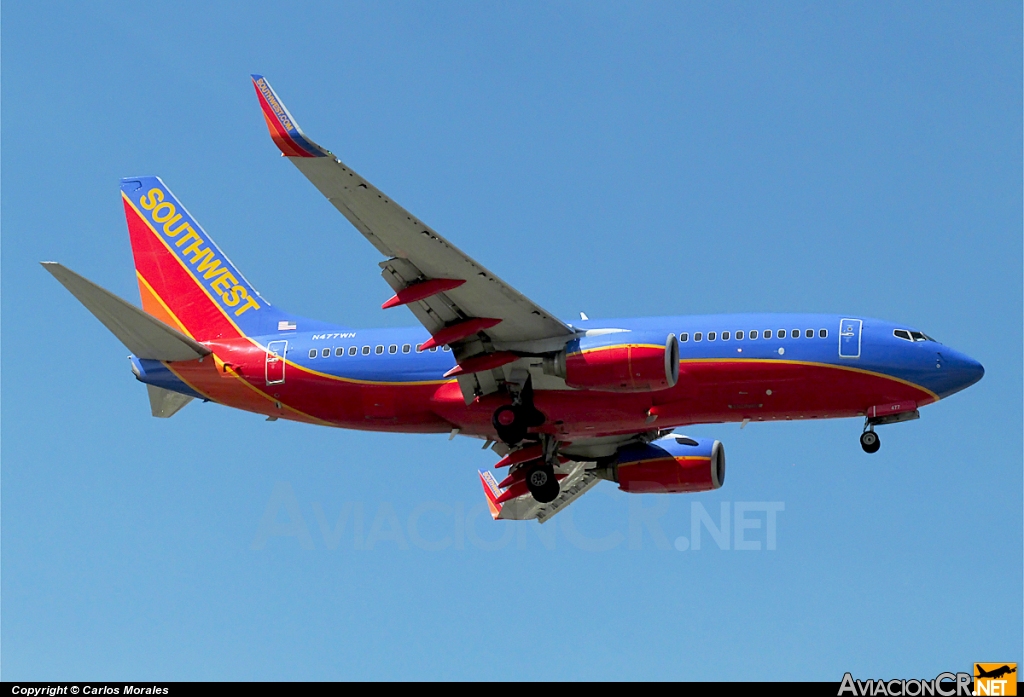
column 995, row 673
column 564, row 405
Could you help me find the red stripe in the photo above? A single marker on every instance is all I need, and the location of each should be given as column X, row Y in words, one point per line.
column 278, row 134
column 182, row 293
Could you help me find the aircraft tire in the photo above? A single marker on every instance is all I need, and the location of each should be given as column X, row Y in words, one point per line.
column 510, row 424
column 542, row 483
column 869, row 442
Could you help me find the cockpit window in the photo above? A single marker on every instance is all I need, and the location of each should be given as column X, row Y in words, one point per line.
column 908, row 335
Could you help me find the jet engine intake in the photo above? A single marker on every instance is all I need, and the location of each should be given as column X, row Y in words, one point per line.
column 618, row 362
column 669, row 465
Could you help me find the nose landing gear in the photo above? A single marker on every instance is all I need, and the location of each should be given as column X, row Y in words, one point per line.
column 869, row 441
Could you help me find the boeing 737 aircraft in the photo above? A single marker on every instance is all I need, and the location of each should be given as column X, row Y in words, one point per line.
column 564, row 405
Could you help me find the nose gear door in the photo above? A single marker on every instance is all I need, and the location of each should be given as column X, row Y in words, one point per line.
column 849, row 337
column 276, row 351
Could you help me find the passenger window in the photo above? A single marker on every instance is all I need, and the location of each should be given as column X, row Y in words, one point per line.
column 312, row 353
column 725, row 336
column 781, row 334
column 379, row 350
column 419, row 348
column 809, row 333
column 406, row 348
column 340, row 351
column 795, row 334
column 352, row 350
column 366, row 350
column 697, row 336
column 711, row 336
column 684, row 337
column 739, row 334
column 326, row 353
column 767, row 334
column 393, row 348
column 823, row 333
column 902, row 334
column 753, row 334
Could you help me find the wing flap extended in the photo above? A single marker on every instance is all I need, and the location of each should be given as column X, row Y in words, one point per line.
column 577, row 482
column 143, row 335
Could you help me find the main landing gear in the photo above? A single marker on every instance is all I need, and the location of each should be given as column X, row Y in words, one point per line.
column 869, row 439
column 511, row 421
column 542, row 483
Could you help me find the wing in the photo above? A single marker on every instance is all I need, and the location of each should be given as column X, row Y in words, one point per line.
column 514, row 503
column 461, row 303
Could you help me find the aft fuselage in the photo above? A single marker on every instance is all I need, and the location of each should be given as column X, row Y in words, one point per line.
column 733, row 368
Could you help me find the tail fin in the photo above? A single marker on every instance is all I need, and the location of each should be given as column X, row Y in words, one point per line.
column 185, row 280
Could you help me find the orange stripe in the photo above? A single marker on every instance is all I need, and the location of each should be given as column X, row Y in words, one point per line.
column 154, row 305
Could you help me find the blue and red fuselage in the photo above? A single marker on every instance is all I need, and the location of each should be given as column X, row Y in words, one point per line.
column 732, row 368
column 756, row 367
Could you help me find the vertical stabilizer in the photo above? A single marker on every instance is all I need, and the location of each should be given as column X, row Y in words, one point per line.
column 185, row 280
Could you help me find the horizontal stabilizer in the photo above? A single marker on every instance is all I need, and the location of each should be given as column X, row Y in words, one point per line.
column 144, row 335
column 163, row 403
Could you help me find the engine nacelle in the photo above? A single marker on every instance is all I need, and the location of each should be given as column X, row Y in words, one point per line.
column 670, row 465
column 633, row 361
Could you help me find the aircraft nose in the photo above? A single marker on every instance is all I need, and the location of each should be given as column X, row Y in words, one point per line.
column 973, row 370
column 966, row 370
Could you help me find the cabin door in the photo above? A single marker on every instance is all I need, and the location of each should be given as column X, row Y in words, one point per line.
column 849, row 337
column 276, row 351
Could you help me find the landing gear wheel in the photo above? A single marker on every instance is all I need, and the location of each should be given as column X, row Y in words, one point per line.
column 542, row 483
column 510, row 423
column 869, row 441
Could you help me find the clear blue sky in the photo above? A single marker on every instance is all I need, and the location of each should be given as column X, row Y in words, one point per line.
column 623, row 160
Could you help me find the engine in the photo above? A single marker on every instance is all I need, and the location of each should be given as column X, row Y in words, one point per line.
column 670, row 465
column 618, row 362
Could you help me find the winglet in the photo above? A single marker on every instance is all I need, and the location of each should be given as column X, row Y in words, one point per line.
column 492, row 492
column 283, row 129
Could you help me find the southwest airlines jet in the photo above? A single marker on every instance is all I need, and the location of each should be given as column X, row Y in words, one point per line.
column 563, row 405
